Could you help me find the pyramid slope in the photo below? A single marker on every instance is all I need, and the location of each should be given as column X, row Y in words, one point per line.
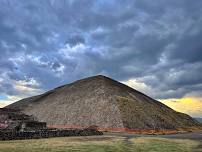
column 105, row 103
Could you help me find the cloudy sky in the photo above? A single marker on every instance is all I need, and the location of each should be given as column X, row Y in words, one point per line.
column 153, row 46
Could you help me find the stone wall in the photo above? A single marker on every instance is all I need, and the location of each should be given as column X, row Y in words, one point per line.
column 32, row 125
column 14, row 135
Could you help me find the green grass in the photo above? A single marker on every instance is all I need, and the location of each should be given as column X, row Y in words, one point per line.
column 100, row 144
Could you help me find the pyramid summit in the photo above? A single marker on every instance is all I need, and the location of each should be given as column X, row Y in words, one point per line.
column 103, row 102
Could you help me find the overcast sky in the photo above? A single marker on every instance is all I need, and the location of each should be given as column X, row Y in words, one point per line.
column 153, row 46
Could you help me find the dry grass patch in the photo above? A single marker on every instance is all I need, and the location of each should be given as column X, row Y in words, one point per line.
column 166, row 145
column 100, row 144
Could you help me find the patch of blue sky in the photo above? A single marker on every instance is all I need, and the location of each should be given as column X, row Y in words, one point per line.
column 3, row 97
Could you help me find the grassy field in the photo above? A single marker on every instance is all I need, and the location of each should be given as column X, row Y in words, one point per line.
column 101, row 144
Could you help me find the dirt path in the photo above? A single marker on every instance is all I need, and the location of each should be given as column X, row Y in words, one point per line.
column 192, row 136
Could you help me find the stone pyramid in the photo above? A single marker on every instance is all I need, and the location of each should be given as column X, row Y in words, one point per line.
column 103, row 102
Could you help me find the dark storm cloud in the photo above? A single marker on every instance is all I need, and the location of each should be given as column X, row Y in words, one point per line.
column 75, row 40
column 55, row 42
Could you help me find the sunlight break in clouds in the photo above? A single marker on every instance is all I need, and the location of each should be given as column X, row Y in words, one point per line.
column 25, row 88
column 138, row 85
column 189, row 105
column 9, row 100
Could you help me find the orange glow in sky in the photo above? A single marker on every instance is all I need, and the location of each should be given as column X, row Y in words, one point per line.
column 188, row 105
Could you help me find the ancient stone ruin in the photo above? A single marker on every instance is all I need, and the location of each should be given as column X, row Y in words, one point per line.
column 17, row 121
column 16, row 125
column 14, row 122
column 108, row 104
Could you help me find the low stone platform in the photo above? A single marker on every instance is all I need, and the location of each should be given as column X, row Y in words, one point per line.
column 47, row 133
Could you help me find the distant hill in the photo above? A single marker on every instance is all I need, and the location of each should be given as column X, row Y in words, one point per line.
column 199, row 119
column 103, row 102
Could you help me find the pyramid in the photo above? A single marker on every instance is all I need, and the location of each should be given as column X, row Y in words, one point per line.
column 103, row 102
